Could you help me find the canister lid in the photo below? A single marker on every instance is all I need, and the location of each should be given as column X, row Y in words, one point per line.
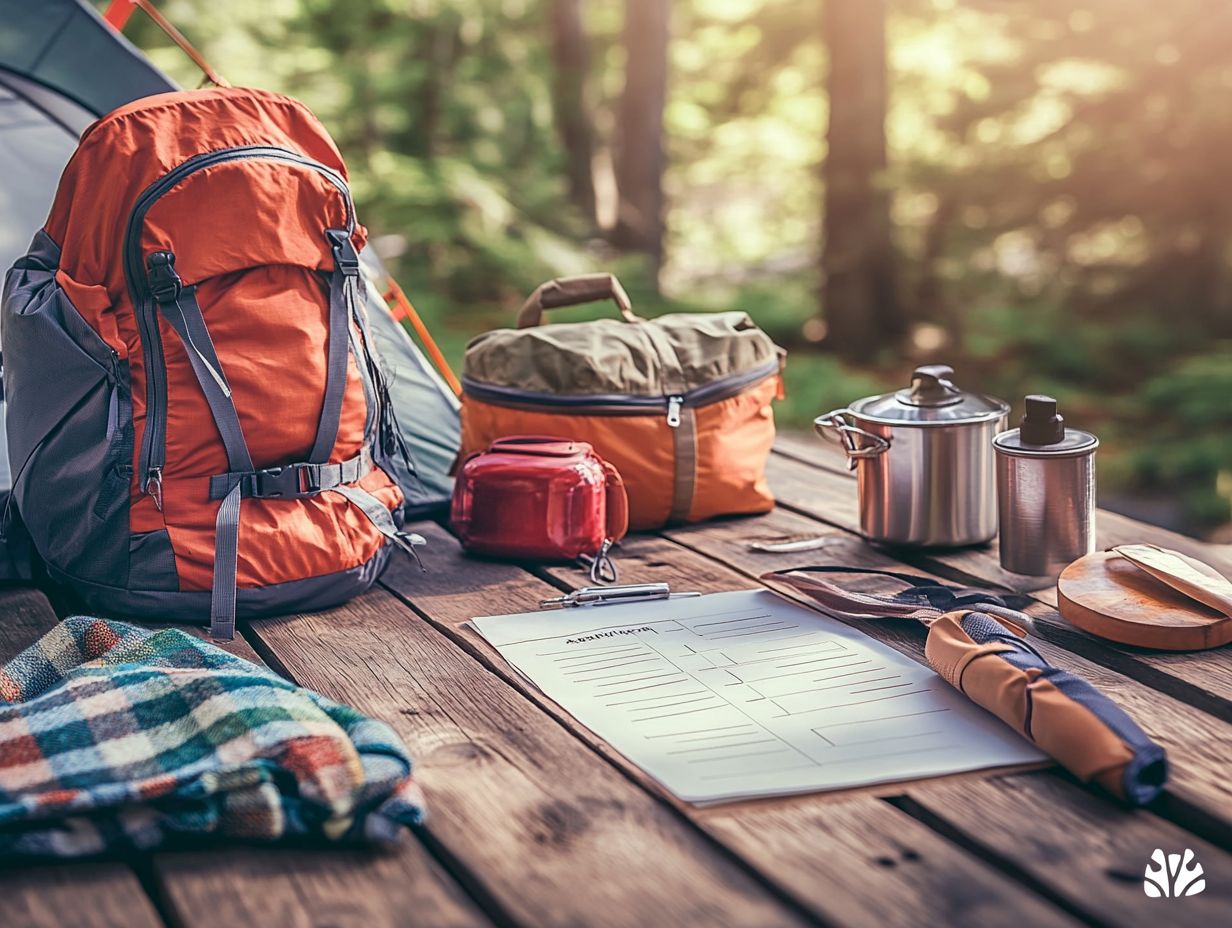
column 932, row 397
column 1042, row 433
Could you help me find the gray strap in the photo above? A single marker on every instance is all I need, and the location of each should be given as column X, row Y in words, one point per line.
column 369, row 366
column 389, row 435
column 379, row 516
column 343, row 285
column 370, row 396
column 185, row 317
column 292, row 481
column 226, row 550
column 361, row 322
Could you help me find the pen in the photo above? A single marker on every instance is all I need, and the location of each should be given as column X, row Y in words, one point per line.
column 609, row 595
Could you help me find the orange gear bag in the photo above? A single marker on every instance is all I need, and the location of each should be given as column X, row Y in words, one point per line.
column 681, row 404
column 200, row 418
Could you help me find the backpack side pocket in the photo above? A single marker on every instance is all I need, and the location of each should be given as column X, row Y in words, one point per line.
column 66, row 421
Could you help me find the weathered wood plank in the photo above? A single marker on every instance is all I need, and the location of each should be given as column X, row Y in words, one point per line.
column 903, row 872
column 1203, row 679
column 546, row 830
column 240, row 885
column 311, row 888
column 824, row 852
column 297, row 887
column 1199, row 745
column 85, row 895
column 52, row 896
column 1094, row 851
column 1049, row 808
column 25, row 615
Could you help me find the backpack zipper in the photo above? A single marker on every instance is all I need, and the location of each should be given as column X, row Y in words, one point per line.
column 151, row 460
column 615, row 404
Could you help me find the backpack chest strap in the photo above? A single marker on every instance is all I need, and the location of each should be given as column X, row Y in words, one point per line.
column 292, row 481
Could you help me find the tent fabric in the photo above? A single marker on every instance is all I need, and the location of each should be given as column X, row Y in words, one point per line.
column 415, row 388
column 37, row 136
column 66, row 46
column 62, row 67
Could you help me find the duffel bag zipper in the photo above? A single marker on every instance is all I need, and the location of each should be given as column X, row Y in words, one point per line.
column 614, row 404
column 152, row 458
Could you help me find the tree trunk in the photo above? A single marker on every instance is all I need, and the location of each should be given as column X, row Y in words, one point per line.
column 929, row 304
column 570, row 65
column 859, row 301
column 639, row 130
column 438, row 43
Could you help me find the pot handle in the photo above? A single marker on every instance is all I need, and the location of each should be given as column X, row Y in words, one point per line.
column 847, row 436
column 617, row 512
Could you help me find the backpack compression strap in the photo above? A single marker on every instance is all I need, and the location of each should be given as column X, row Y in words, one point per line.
column 343, row 285
column 179, row 306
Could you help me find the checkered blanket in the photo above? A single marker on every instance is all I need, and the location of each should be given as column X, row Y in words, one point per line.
column 117, row 737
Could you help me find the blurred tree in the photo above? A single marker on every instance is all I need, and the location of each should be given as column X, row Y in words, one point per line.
column 570, row 70
column 859, row 300
column 639, row 130
column 1052, row 174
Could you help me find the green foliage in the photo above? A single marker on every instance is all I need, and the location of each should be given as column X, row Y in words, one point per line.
column 1178, row 432
column 1057, row 168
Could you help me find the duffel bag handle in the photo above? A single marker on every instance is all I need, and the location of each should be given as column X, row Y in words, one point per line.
column 572, row 291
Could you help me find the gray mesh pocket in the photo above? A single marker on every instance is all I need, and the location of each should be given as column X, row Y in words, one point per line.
column 60, row 379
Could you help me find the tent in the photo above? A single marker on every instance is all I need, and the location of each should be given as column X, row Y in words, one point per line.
column 61, row 67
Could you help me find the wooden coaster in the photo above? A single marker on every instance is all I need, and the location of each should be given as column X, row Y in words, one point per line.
column 1108, row 596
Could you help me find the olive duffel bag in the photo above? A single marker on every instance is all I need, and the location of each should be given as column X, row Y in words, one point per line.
column 680, row 404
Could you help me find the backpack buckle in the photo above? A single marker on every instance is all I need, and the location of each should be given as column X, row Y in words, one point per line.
column 274, row 482
column 346, row 258
column 310, row 481
column 165, row 283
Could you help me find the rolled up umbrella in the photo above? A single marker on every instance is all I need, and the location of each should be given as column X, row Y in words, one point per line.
column 977, row 643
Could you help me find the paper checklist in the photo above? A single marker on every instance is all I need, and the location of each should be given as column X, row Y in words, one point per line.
column 746, row 694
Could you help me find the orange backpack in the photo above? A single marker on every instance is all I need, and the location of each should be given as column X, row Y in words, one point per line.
column 200, row 420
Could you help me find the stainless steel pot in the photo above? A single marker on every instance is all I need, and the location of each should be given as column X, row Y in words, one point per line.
column 924, row 461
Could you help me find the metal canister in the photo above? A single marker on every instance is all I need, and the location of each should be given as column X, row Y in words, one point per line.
column 1045, row 491
column 924, row 462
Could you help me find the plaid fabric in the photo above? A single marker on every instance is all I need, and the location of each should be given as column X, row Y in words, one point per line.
column 117, row 737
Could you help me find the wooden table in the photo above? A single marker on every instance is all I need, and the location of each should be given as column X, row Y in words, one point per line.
column 536, row 822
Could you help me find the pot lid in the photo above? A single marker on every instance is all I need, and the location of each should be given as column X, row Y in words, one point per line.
column 932, row 397
column 1042, row 433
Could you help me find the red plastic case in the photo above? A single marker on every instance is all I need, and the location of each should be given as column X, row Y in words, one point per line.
column 540, row 498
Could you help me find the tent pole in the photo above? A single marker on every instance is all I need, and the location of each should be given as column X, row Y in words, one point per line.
column 402, row 308
column 118, row 14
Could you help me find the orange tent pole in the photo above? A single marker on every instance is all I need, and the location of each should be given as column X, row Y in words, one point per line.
column 403, row 309
column 118, row 14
